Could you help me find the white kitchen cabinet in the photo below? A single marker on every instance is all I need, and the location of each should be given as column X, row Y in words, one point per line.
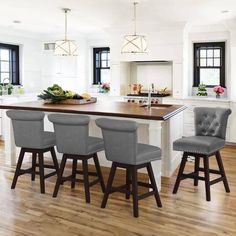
column 10, row 99
column 59, row 66
column 232, row 122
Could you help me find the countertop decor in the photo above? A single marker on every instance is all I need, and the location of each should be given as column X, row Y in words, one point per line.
column 56, row 94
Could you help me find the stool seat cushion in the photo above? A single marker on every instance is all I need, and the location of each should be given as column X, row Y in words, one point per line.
column 147, row 153
column 95, row 145
column 199, row 144
column 49, row 139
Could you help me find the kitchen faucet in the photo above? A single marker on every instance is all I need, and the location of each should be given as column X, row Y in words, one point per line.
column 3, row 82
column 149, row 97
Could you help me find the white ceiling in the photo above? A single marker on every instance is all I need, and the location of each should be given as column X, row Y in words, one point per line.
column 94, row 16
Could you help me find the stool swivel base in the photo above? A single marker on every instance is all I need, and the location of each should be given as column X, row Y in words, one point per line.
column 131, row 179
column 36, row 153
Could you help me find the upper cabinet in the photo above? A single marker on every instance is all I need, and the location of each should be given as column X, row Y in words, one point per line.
column 59, row 66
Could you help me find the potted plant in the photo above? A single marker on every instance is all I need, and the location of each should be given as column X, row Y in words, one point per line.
column 202, row 90
column 9, row 88
column 218, row 90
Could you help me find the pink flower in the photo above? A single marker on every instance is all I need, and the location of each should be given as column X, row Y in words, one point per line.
column 218, row 89
column 106, row 86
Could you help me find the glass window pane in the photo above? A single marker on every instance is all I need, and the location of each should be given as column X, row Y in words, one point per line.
column 105, row 75
column 202, row 53
column 104, row 63
column 216, row 52
column 209, row 61
column 108, row 63
column 210, row 53
column 4, row 54
column 217, row 62
column 5, row 66
column 203, row 62
column 104, row 56
column 108, row 56
column 210, row 76
column 97, row 56
column 97, row 64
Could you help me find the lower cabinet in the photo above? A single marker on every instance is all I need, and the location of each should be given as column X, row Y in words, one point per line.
column 232, row 122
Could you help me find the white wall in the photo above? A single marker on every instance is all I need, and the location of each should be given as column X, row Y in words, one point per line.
column 30, row 59
column 158, row 74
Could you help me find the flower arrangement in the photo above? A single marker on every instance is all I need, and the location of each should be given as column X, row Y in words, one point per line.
column 105, row 88
column 218, row 90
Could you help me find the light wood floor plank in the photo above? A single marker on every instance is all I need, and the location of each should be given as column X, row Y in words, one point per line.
column 24, row 211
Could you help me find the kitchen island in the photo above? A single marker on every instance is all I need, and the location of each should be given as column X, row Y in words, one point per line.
column 159, row 125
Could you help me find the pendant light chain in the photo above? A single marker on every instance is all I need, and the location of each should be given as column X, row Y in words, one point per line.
column 135, row 25
column 66, row 31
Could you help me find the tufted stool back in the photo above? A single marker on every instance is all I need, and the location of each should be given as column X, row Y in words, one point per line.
column 211, row 121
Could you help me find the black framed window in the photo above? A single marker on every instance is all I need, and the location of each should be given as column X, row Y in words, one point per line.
column 209, row 64
column 9, row 64
column 101, row 65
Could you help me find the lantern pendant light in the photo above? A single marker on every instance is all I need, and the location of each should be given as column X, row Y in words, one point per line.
column 134, row 43
column 66, row 47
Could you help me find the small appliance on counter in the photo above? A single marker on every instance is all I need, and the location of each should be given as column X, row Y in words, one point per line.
column 135, row 89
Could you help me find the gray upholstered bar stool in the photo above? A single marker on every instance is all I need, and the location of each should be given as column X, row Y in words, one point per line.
column 29, row 134
column 73, row 140
column 210, row 129
column 122, row 148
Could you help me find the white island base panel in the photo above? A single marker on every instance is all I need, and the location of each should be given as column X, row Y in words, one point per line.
column 153, row 132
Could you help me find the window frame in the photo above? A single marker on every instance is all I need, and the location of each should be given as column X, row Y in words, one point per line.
column 97, row 79
column 15, row 80
column 196, row 60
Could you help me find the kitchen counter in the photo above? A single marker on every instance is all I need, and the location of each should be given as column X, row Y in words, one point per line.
column 159, row 126
column 116, row 109
column 213, row 99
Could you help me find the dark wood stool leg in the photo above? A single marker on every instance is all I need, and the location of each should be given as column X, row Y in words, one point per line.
column 18, row 167
column 41, row 172
column 99, row 172
column 86, row 180
column 74, row 168
column 54, row 159
column 127, row 195
column 153, row 183
column 181, row 170
column 34, row 160
column 196, row 170
column 135, row 191
column 222, row 171
column 109, row 185
column 59, row 178
column 207, row 177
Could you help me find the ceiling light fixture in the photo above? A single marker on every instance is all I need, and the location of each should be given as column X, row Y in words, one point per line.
column 134, row 43
column 66, row 47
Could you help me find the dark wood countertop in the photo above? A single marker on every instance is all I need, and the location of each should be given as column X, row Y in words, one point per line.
column 103, row 108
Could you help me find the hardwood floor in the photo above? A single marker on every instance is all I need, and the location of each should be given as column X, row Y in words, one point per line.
column 24, row 211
